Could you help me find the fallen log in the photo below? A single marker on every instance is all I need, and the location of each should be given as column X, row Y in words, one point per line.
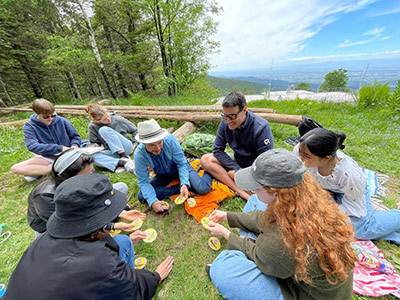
column 14, row 123
column 182, row 132
column 166, row 108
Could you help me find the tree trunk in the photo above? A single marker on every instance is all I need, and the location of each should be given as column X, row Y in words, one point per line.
column 118, row 68
column 182, row 132
column 96, row 49
column 74, row 86
column 6, row 92
column 98, row 85
column 161, row 44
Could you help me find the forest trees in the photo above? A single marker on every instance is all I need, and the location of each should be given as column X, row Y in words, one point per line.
column 51, row 49
column 335, row 81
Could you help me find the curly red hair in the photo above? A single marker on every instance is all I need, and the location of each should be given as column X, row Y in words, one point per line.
column 311, row 223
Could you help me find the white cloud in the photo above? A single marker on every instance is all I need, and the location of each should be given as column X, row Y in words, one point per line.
column 387, row 12
column 375, row 34
column 310, row 58
column 252, row 33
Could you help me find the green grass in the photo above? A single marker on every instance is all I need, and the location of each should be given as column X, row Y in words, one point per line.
column 373, row 140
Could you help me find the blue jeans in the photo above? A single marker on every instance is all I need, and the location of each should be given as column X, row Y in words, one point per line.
column 109, row 158
column 199, row 185
column 377, row 225
column 126, row 252
column 238, row 278
column 251, row 205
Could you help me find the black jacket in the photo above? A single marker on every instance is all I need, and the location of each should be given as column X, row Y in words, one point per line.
column 69, row 269
column 41, row 205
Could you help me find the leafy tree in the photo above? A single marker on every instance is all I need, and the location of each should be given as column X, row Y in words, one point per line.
column 303, row 86
column 335, row 80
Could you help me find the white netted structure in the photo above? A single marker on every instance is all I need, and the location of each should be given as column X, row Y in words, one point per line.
column 337, row 97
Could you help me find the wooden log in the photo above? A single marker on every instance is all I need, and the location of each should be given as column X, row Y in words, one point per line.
column 166, row 108
column 14, row 123
column 182, row 132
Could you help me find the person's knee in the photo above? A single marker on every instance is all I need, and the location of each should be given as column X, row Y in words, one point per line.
column 105, row 130
column 204, row 187
column 122, row 187
column 206, row 160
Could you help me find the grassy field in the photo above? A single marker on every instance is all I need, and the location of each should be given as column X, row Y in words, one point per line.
column 373, row 140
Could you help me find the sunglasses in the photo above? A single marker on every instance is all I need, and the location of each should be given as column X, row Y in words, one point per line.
column 231, row 116
column 49, row 116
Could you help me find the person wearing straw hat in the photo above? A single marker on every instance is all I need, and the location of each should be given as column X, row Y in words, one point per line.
column 161, row 152
column 303, row 247
column 41, row 200
column 75, row 258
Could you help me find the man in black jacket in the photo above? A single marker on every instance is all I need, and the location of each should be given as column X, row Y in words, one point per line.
column 75, row 259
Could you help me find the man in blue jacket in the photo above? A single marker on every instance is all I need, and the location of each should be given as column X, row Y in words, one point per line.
column 46, row 135
column 247, row 134
column 161, row 152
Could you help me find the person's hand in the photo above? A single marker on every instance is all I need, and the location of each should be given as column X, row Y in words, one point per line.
column 132, row 215
column 165, row 267
column 74, row 147
column 127, row 227
column 231, row 174
column 218, row 216
column 64, row 148
column 217, row 230
column 184, row 191
column 137, row 236
column 157, row 206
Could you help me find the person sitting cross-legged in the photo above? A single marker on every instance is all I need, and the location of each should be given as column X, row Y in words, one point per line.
column 247, row 134
column 161, row 152
column 75, row 258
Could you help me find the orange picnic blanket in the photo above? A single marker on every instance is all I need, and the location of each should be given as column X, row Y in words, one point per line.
column 206, row 203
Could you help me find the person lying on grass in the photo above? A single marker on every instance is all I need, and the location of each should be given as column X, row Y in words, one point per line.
column 303, row 241
column 247, row 134
column 71, row 163
column 112, row 132
column 46, row 135
column 76, row 258
column 161, row 152
column 339, row 174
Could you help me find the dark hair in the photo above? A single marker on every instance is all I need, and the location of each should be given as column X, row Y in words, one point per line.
column 234, row 99
column 81, row 163
column 322, row 142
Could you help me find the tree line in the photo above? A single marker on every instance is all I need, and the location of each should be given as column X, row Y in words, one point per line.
column 59, row 49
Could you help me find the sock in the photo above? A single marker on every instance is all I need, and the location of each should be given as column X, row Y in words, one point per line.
column 121, row 163
column 122, row 154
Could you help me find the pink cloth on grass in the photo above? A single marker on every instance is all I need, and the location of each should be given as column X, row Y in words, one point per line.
column 369, row 282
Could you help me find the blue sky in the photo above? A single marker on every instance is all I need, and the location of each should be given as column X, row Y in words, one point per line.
column 252, row 33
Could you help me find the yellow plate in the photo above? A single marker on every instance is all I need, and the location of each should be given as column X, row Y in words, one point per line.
column 179, row 200
column 214, row 243
column 191, row 202
column 206, row 221
column 151, row 235
column 114, row 232
column 140, row 263
column 165, row 205
column 137, row 224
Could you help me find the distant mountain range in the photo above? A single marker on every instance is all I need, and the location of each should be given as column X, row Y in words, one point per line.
column 281, row 77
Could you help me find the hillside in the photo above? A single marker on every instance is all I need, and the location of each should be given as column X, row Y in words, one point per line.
column 225, row 85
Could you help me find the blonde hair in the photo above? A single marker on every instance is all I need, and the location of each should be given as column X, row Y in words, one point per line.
column 96, row 111
column 43, row 107
column 312, row 224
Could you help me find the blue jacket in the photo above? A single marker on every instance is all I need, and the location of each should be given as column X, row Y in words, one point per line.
column 173, row 152
column 247, row 142
column 49, row 140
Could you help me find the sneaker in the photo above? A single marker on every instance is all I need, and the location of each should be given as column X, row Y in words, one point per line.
column 292, row 141
column 208, row 267
column 119, row 170
column 31, row 178
column 130, row 166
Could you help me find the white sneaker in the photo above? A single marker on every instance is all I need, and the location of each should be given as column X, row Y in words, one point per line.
column 119, row 170
column 31, row 178
column 130, row 166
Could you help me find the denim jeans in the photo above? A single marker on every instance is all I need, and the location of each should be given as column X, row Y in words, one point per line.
column 377, row 225
column 238, row 278
column 252, row 204
column 126, row 251
column 109, row 158
column 199, row 185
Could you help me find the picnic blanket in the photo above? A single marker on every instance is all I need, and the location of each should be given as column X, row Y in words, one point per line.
column 206, row 203
column 373, row 275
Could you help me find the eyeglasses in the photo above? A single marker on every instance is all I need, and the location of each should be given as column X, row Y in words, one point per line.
column 231, row 116
column 49, row 116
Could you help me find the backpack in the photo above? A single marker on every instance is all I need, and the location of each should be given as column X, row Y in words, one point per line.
column 198, row 144
column 306, row 124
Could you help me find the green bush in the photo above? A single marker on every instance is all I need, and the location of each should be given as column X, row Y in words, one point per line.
column 394, row 101
column 303, row 86
column 375, row 94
